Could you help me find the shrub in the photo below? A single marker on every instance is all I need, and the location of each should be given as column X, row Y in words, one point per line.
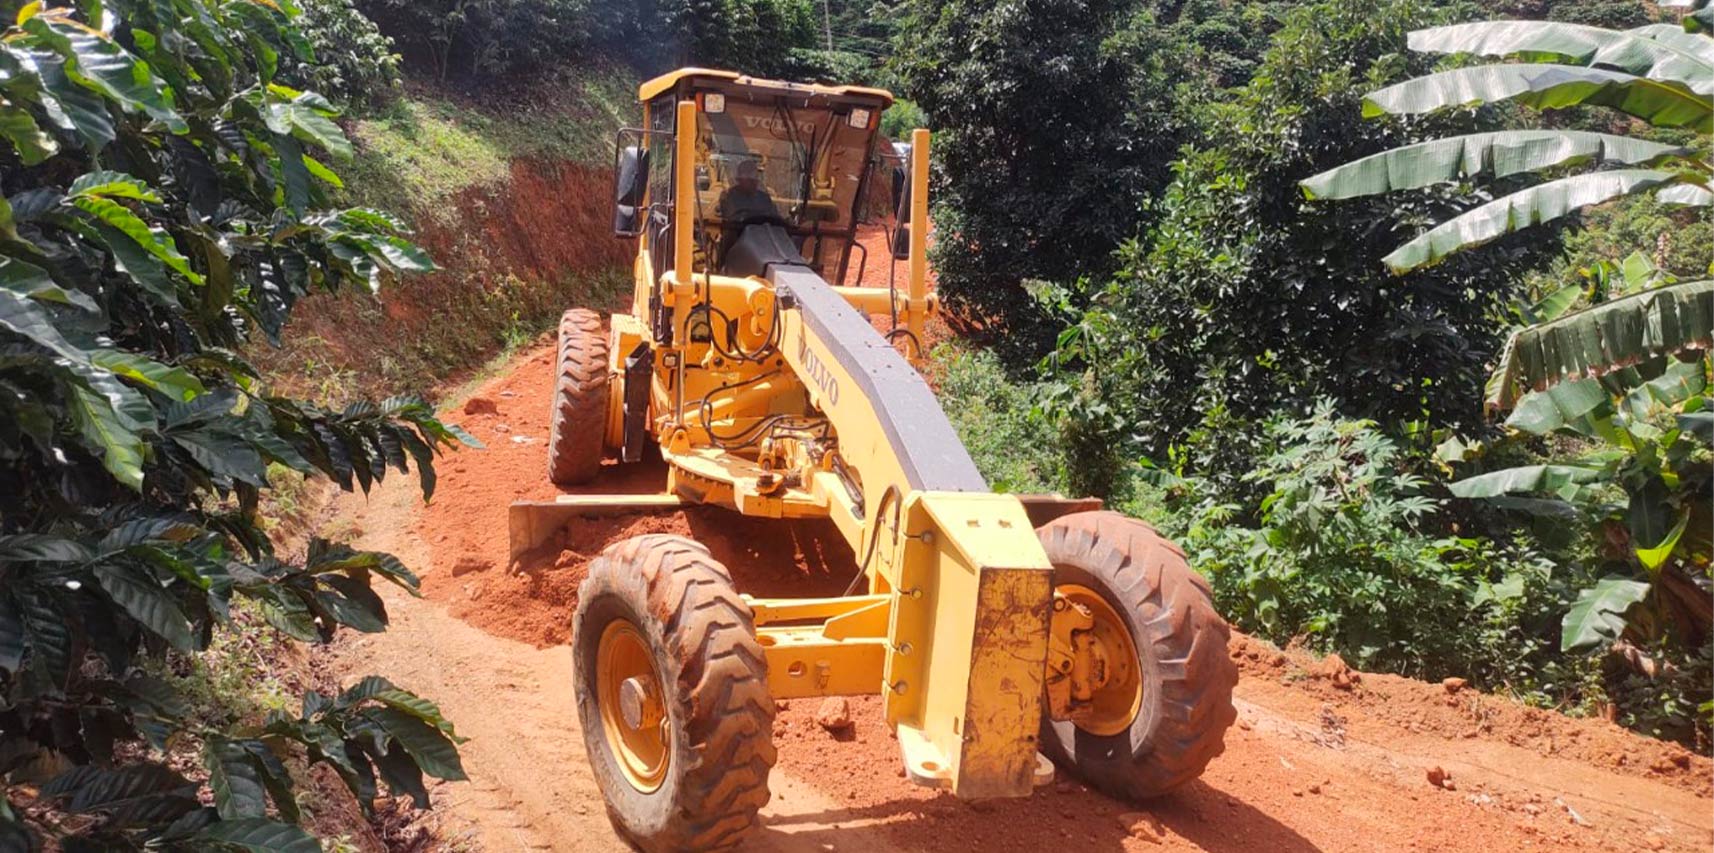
column 354, row 64
column 158, row 215
column 1345, row 558
column 1013, row 446
column 477, row 38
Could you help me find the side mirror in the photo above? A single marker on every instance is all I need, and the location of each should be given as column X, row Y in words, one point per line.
column 902, row 234
column 630, row 185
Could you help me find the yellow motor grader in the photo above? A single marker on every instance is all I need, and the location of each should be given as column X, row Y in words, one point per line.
column 1005, row 633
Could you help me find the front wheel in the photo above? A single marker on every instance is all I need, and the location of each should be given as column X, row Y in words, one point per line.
column 672, row 692
column 1165, row 702
column 578, row 424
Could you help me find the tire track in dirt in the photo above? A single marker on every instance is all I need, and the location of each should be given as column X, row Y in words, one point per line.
column 1310, row 766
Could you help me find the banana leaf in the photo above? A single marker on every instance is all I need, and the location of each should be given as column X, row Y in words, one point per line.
column 1545, row 87
column 1574, row 44
column 1501, row 154
column 1687, row 195
column 1605, row 337
column 1520, row 210
column 1676, row 36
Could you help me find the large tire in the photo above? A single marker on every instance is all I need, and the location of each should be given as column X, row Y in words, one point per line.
column 578, row 428
column 713, row 694
column 1186, row 674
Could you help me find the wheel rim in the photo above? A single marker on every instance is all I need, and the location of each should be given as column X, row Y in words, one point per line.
column 1115, row 704
column 633, row 716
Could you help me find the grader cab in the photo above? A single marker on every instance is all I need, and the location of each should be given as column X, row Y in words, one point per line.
column 1005, row 633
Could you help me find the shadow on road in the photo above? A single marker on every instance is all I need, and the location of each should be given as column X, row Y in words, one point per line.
column 1083, row 820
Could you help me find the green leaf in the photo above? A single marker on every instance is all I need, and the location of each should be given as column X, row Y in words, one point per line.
column 96, row 789
column 1544, row 87
column 137, row 591
column 28, row 139
column 1655, row 557
column 224, row 454
column 34, row 282
column 23, row 317
column 234, row 779
column 395, row 253
column 1576, row 44
column 1675, row 36
column 1532, row 206
column 175, row 382
column 1500, row 154
column 69, row 105
column 98, row 63
column 1529, row 478
column 1606, row 337
column 1545, row 411
column 322, row 172
column 349, row 612
column 119, row 446
column 1699, row 424
column 112, row 185
column 1686, row 195
column 432, row 751
column 43, row 548
column 284, row 610
column 155, row 241
column 402, row 774
column 1556, row 303
column 1599, row 613
column 260, row 835
column 307, row 117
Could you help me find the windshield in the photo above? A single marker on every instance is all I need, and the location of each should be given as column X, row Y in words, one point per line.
column 758, row 161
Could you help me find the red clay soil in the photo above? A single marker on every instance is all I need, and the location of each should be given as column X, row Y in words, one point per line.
column 506, row 251
column 1322, row 758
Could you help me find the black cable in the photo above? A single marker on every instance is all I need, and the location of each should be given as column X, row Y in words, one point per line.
column 891, row 493
column 899, row 330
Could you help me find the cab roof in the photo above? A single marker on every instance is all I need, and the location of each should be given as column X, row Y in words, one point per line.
column 667, row 81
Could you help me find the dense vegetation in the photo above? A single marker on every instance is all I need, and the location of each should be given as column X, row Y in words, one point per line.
column 1260, row 373
column 164, row 202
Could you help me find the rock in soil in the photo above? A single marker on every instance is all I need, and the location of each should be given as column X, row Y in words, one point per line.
column 1144, row 826
column 834, row 714
column 1334, row 669
column 480, row 406
column 1438, row 777
column 1453, row 685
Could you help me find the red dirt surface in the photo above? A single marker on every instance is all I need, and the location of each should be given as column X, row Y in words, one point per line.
column 1322, row 758
column 504, row 253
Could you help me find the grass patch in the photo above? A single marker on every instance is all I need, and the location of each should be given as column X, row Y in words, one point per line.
column 417, row 153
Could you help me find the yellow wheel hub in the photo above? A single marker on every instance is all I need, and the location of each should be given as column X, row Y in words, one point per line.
column 1101, row 663
column 633, row 714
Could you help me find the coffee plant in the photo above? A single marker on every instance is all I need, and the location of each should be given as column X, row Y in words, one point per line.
column 354, row 64
column 161, row 202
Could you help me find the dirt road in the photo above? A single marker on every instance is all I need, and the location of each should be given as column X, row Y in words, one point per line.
column 1317, row 761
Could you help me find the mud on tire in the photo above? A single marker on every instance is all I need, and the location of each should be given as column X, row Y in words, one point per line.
column 1187, row 676
column 578, row 427
column 713, row 679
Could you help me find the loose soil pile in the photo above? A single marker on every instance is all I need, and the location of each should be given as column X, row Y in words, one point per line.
column 1322, row 757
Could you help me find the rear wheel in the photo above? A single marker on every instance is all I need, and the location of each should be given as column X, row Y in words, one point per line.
column 578, row 428
column 672, row 692
column 1162, row 712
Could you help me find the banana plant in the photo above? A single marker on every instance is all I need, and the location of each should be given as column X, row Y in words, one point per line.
column 1660, row 73
column 1627, row 380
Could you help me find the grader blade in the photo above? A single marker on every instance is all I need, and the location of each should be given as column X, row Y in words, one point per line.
column 532, row 524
